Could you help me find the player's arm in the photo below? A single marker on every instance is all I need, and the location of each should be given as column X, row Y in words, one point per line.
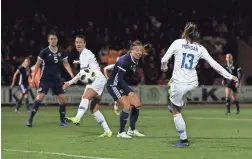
column 68, row 67
column 75, row 79
column 107, row 68
column 239, row 73
column 121, row 82
column 171, row 50
column 205, row 55
column 14, row 78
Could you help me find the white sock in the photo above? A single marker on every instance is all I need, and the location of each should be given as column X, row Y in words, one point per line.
column 180, row 126
column 115, row 106
column 101, row 120
column 83, row 107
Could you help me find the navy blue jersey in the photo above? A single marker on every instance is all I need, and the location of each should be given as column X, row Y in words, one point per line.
column 23, row 75
column 234, row 70
column 51, row 65
column 124, row 69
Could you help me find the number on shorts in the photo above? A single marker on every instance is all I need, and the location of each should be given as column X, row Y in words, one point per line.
column 187, row 61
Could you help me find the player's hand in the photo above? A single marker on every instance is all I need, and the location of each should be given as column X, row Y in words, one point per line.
column 12, row 85
column 164, row 67
column 236, row 84
column 66, row 85
column 235, row 79
column 76, row 61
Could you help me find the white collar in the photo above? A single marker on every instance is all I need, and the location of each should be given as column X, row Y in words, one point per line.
column 132, row 58
column 51, row 49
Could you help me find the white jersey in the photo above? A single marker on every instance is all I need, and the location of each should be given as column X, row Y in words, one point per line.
column 187, row 56
column 88, row 60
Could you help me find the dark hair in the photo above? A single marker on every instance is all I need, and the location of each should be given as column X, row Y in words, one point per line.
column 190, row 32
column 51, row 33
column 82, row 37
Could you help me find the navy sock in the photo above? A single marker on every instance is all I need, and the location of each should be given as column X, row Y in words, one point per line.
column 27, row 103
column 19, row 102
column 35, row 107
column 133, row 117
column 237, row 105
column 228, row 104
column 123, row 120
column 62, row 112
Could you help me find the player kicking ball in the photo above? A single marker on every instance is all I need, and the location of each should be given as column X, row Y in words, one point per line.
column 187, row 53
column 122, row 93
column 92, row 93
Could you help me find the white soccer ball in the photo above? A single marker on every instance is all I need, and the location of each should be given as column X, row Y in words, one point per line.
column 87, row 76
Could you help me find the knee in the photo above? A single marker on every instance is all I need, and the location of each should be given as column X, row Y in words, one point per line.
column 94, row 105
column 40, row 97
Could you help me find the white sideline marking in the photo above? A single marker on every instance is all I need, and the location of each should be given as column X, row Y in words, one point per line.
column 57, row 154
column 203, row 118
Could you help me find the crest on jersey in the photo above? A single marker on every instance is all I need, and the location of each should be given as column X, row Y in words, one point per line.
column 59, row 54
column 50, row 54
column 133, row 67
column 233, row 67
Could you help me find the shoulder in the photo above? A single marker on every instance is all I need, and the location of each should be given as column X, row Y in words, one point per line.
column 20, row 67
column 87, row 53
column 44, row 50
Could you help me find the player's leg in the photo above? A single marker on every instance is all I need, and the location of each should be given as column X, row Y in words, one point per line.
column 26, row 98
column 236, row 101
column 94, row 108
column 124, row 115
column 116, row 108
column 60, row 93
column 228, row 101
column 62, row 109
column 178, row 95
column 42, row 91
column 19, row 102
column 168, row 97
column 134, row 114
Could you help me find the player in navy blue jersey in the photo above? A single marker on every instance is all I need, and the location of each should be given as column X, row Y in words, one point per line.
column 121, row 92
column 23, row 83
column 51, row 59
column 233, row 69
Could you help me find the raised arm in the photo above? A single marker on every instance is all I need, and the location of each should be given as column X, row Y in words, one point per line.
column 205, row 55
column 171, row 50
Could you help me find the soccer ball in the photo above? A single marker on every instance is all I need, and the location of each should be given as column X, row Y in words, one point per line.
column 87, row 76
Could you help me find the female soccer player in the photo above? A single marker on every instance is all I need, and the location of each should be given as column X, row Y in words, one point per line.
column 23, row 83
column 51, row 60
column 233, row 69
column 122, row 93
column 92, row 93
column 187, row 53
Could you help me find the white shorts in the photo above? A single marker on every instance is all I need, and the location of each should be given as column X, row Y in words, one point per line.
column 98, row 84
column 180, row 92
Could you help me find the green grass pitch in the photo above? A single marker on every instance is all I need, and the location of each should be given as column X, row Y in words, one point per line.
column 212, row 135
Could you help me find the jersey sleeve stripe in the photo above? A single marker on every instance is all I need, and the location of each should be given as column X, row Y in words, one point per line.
column 121, row 68
column 41, row 59
column 65, row 58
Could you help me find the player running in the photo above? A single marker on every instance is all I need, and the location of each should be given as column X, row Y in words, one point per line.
column 92, row 93
column 187, row 53
column 51, row 60
column 233, row 69
column 121, row 91
column 23, row 83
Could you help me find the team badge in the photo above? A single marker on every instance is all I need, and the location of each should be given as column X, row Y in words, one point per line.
column 59, row 54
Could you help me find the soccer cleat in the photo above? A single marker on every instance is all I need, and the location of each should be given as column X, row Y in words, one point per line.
column 16, row 111
column 181, row 144
column 72, row 120
column 106, row 134
column 123, row 135
column 238, row 112
column 227, row 113
column 134, row 133
column 29, row 124
column 63, row 124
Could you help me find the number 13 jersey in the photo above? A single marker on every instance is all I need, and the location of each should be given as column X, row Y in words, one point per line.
column 52, row 63
column 187, row 56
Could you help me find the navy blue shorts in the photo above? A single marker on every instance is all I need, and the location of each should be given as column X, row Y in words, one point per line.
column 24, row 88
column 55, row 87
column 115, row 92
column 231, row 85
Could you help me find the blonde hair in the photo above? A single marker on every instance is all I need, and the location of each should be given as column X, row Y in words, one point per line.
column 144, row 47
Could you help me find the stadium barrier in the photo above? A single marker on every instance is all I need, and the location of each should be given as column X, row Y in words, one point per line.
column 149, row 95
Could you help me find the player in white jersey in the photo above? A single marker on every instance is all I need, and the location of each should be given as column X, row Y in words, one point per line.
column 93, row 92
column 187, row 53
